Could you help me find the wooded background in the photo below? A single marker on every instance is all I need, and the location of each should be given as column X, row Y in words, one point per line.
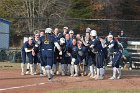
column 29, row 15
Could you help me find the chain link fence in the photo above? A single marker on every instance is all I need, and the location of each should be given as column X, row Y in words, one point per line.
column 11, row 55
column 103, row 26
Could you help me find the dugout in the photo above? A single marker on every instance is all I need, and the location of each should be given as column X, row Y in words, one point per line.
column 4, row 33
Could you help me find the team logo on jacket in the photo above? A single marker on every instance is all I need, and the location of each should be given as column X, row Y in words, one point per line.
column 46, row 42
column 80, row 53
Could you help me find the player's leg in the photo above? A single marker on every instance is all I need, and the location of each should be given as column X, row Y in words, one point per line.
column 23, row 56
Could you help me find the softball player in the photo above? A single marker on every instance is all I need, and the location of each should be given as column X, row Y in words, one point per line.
column 37, row 53
column 47, row 50
column 98, row 50
column 55, row 68
column 74, row 61
column 81, row 56
column 28, row 47
column 23, row 56
column 68, row 53
column 62, row 57
column 116, row 59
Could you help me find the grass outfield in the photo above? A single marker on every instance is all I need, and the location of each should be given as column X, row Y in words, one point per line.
column 14, row 66
column 91, row 90
column 9, row 66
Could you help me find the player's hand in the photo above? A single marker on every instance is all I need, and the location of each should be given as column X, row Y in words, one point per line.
column 33, row 53
column 82, row 38
column 36, row 45
column 91, row 46
column 60, row 53
column 73, row 61
column 68, row 54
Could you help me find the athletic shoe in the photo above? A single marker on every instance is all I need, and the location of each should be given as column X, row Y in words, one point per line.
column 89, row 74
column 93, row 76
column 71, row 75
column 41, row 74
column 63, row 74
column 27, row 73
column 101, row 78
column 112, row 78
column 57, row 73
column 35, row 73
column 130, row 68
column 32, row 74
column 75, row 75
column 119, row 77
column 49, row 79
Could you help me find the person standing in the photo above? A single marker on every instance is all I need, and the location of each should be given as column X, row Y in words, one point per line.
column 23, row 57
column 47, row 50
column 28, row 47
column 74, row 61
column 55, row 68
column 97, row 48
column 68, row 52
column 37, row 55
column 113, row 44
column 123, row 39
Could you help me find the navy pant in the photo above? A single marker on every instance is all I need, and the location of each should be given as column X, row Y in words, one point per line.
column 91, row 60
column 23, row 56
column 47, row 57
column 100, row 60
column 40, row 59
column 30, row 56
column 80, row 59
column 36, row 59
column 67, row 60
column 116, row 59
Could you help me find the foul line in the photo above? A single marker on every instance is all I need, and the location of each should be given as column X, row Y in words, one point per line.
column 32, row 85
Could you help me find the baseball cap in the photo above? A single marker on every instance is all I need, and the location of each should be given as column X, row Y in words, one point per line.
column 71, row 32
column 88, row 30
column 65, row 27
column 30, row 38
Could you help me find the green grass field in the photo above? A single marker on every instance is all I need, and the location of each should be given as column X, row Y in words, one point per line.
column 16, row 66
column 91, row 90
column 9, row 66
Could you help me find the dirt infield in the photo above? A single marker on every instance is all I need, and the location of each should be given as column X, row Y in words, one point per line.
column 12, row 82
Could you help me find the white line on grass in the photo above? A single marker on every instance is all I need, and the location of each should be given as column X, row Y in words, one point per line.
column 32, row 85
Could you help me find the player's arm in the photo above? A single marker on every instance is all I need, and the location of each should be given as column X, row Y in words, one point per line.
column 58, row 47
column 111, row 45
column 28, row 50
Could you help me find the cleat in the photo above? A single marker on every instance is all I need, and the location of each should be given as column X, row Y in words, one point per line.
column 118, row 77
column 101, row 78
column 112, row 78
column 93, row 76
column 35, row 73
column 57, row 73
column 63, row 74
column 27, row 73
column 89, row 74
column 130, row 68
column 50, row 79
column 75, row 75
column 72, row 75
column 42, row 75
column 32, row 74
